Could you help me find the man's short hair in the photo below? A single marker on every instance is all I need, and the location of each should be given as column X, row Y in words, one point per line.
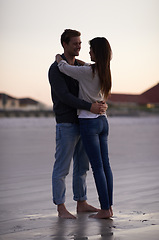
column 68, row 34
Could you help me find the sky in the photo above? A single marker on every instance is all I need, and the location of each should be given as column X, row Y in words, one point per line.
column 30, row 33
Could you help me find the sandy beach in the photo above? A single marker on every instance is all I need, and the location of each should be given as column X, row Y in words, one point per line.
column 27, row 147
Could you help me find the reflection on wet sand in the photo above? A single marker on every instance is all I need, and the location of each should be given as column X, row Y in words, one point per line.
column 82, row 228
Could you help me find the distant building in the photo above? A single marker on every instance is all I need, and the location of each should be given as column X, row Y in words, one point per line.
column 149, row 98
column 30, row 104
column 8, row 102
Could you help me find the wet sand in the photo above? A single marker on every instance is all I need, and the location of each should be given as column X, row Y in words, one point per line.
column 27, row 149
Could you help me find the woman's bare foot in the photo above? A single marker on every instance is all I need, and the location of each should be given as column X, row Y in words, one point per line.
column 63, row 213
column 102, row 214
column 83, row 206
column 111, row 211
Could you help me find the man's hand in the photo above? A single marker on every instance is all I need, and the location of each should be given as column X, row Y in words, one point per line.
column 99, row 107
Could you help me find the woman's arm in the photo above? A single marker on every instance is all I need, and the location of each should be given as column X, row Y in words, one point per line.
column 80, row 62
column 58, row 58
column 97, row 108
column 77, row 72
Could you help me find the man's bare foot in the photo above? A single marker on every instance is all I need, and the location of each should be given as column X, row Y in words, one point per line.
column 63, row 213
column 83, row 206
column 102, row 214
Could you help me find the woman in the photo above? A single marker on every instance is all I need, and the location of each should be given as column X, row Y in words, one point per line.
column 95, row 85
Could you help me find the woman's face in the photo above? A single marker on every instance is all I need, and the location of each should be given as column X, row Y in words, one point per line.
column 92, row 56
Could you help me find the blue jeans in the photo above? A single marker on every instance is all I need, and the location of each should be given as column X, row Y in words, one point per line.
column 94, row 133
column 69, row 145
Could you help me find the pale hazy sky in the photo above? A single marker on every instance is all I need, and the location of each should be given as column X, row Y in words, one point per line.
column 30, row 38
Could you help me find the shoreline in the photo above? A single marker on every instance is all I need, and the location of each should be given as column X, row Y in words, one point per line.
column 112, row 112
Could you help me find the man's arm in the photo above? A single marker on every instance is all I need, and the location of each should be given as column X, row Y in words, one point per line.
column 59, row 86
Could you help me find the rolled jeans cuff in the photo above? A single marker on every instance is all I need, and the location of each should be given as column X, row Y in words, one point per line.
column 80, row 199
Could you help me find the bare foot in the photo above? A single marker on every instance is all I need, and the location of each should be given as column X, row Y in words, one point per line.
column 63, row 213
column 83, row 206
column 102, row 214
column 111, row 211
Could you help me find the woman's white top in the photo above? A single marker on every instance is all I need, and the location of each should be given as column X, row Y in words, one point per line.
column 89, row 85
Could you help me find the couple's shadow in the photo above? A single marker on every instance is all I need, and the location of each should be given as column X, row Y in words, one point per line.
column 82, row 228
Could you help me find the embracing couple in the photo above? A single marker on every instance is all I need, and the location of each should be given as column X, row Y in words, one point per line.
column 79, row 93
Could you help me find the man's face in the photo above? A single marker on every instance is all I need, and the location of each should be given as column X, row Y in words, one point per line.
column 73, row 47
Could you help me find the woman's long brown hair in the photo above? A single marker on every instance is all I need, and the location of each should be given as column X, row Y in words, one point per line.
column 103, row 54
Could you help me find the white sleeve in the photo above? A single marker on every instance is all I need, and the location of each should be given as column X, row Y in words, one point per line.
column 76, row 72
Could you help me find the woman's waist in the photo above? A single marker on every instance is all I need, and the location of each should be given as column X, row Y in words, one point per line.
column 87, row 114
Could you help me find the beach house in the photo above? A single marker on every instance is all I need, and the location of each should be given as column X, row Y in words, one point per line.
column 8, row 102
column 149, row 98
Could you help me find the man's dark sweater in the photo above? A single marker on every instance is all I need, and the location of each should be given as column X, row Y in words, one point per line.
column 64, row 91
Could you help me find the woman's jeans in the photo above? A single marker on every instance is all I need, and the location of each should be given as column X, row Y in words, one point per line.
column 69, row 145
column 94, row 133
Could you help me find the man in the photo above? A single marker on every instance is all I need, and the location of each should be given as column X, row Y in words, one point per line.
column 65, row 99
